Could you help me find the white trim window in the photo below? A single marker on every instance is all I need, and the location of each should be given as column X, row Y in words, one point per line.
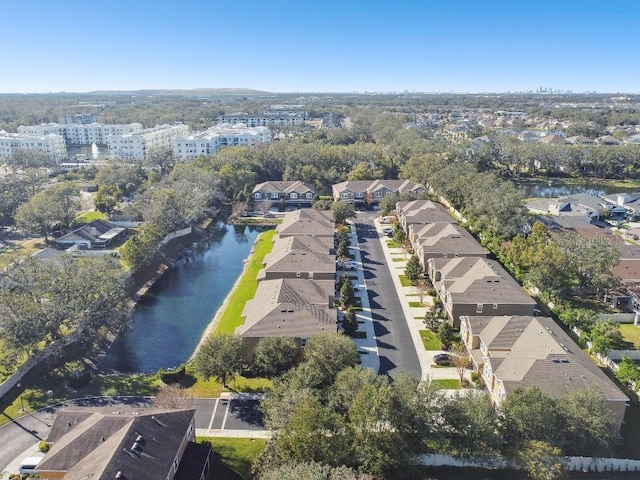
column 257, row 196
column 293, row 196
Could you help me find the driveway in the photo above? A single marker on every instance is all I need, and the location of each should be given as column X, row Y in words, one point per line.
column 395, row 344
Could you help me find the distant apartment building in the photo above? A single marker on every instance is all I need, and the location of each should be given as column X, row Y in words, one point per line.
column 50, row 144
column 81, row 118
column 79, row 133
column 188, row 147
column 135, row 145
column 270, row 118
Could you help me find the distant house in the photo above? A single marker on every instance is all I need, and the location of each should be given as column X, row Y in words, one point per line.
column 293, row 193
column 580, row 140
column 525, row 351
column 124, row 443
column 608, row 140
column 97, row 234
column 307, row 221
column 298, row 263
column 370, row 192
column 553, row 139
column 477, row 286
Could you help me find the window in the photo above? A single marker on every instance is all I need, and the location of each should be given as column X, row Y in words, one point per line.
column 495, row 306
column 359, row 195
column 378, row 194
column 303, row 342
column 309, row 195
column 388, row 194
column 257, row 196
column 344, row 195
column 293, row 195
column 275, row 195
column 479, row 308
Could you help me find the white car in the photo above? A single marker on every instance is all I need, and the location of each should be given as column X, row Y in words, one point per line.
column 350, row 265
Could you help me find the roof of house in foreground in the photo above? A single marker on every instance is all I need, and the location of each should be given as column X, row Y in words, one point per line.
column 99, row 442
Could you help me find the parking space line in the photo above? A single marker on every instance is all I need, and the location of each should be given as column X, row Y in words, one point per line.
column 226, row 414
column 215, row 407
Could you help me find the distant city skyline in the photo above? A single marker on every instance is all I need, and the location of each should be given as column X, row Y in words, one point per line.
column 291, row 46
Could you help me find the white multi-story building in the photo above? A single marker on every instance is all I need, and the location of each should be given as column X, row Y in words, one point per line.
column 135, row 145
column 83, row 118
column 212, row 140
column 81, row 134
column 51, row 144
column 270, row 118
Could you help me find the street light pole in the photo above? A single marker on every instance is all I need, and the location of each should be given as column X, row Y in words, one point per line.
column 19, row 385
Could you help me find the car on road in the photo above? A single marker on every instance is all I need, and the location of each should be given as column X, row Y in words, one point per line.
column 269, row 215
column 387, row 231
column 442, row 359
column 386, row 220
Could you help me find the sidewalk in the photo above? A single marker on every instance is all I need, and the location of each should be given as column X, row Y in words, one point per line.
column 367, row 347
column 413, row 315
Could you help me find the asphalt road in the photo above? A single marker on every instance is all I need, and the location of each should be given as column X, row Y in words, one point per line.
column 395, row 345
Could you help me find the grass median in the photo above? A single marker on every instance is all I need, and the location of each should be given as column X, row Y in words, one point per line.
column 246, row 287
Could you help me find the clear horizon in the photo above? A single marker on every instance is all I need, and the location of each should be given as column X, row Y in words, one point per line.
column 358, row 46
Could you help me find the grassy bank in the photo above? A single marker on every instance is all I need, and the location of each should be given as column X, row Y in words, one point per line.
column 234, row 457
column 245, row 288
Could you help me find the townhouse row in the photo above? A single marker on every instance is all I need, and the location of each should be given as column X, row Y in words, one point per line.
column 296, row 287
column 509, row 345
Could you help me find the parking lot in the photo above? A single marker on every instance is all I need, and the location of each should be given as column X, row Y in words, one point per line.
column 228, row 413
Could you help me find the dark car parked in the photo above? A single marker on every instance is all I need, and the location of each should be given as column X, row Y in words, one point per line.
column 442, row 359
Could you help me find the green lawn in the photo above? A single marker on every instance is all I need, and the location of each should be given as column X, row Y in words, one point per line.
column 404, row 281
column 449, row 383
column 234, row 457
column 397, row 259
column 393, row 244
column 630, row 334
column 247, row 286
column 90, row 217
column 212, row 388
column 416, row 304
column 430, row 340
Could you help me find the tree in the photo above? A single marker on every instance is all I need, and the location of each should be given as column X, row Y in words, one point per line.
column 604, row 336
column 590, row 425
column 540, row 460
column 350, row 323
column 445, row 335
column 57, row 204
column 107, row 199
column 422, row 287
column 313, row 433
column 628, row 373
column 275, row 355
column 530, row 414
column 460, row 360
column 312, row 471
column 50, row 300
column 342, row 252
column 220, row 356
column 347, row 295
column 433, row 317
column 398, row 233
column 330, row 353
column 342, row 211
column 13, row 192
column 174, row 396
column 470, row 425
column 364, row 171
column 413, row 270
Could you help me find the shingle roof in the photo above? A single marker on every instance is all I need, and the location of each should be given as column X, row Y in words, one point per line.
column 307, row 221
column 98, row 442
column 535, row 351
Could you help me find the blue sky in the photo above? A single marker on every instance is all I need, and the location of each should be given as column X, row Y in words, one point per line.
column 328, row 46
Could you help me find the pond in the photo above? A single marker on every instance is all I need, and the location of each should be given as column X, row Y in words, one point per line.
column 170, row 319
column 554, row 188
